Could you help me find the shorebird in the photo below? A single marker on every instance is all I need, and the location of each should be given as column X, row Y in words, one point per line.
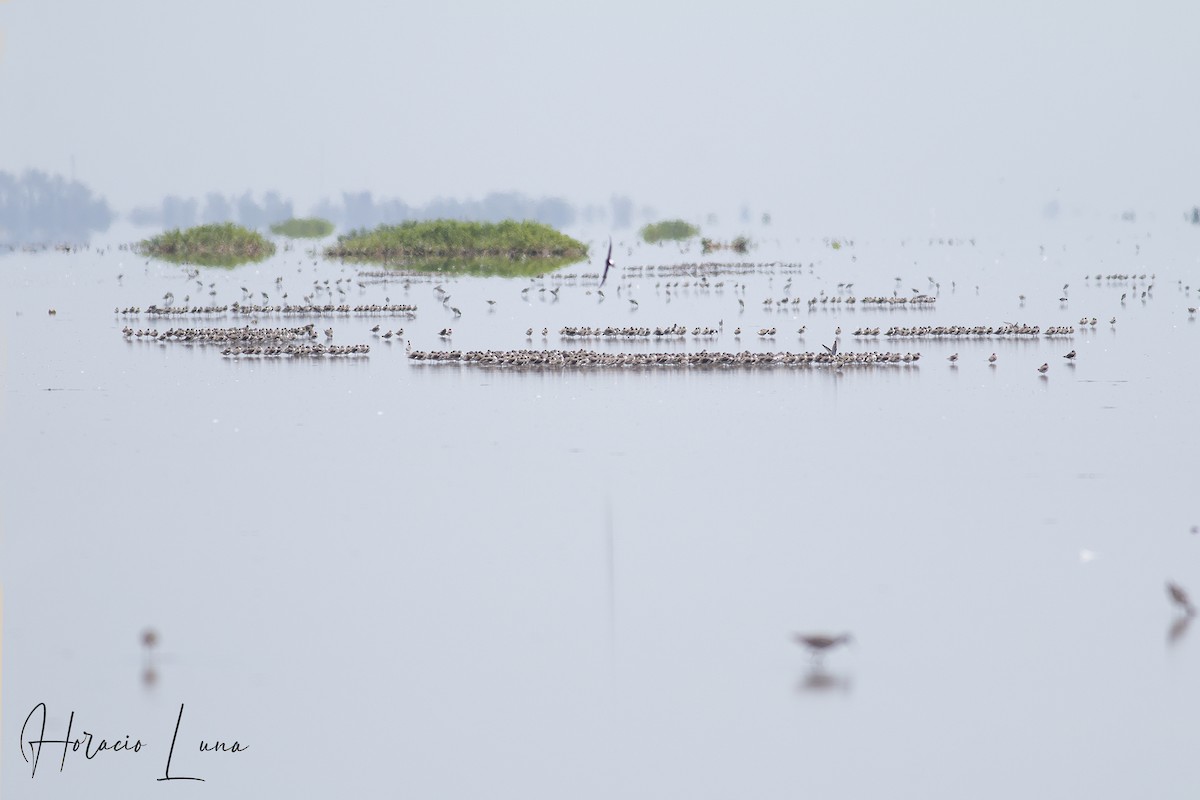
column 1070, row 356
column 992, row 358
column 952, row 357
column 608, row 262
column 1042, row 369
column 1179, row 597
column 819, row 643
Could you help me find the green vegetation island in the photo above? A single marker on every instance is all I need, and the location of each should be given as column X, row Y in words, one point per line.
column 675, row 230
column 218, row 245
column 307, row 228
column 449, row 239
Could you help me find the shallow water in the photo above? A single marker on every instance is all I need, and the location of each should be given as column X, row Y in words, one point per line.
column 450, row 581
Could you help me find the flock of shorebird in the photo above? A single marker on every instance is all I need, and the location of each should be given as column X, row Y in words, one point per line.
column 272, row 342
column 591, row 358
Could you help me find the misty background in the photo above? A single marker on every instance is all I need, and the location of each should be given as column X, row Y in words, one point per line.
column 869, row 117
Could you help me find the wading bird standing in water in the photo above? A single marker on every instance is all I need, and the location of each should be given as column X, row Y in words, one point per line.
column 608, row 262
column 1179, row 597
column 819, row 643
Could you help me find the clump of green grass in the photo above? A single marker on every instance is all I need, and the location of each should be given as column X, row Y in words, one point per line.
column 310, row 228
column 739, row 245
column 447, row 238
column 669, row 230
column 220, row 244
column 485, row 267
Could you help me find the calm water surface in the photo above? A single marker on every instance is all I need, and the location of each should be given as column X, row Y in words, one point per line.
column 417, row 580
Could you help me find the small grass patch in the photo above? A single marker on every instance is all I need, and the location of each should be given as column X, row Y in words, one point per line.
column 675, row 230
column 484, row 267
column 310, row 228
column 450, row 239
column 739, row 245
column 221, row 244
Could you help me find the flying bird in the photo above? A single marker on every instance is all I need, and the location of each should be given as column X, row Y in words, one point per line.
column 608, row 262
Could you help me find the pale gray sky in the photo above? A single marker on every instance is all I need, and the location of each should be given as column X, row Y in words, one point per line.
column 839, row 115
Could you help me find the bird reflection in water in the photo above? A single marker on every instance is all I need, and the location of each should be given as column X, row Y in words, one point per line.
column 1178, row 629
column 819, row 680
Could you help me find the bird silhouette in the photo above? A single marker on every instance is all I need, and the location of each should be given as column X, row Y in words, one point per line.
column 608, row 262
column 1179, row 597
column 820, row 643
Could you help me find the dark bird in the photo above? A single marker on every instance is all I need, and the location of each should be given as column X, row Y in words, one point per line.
column 820, row 643
column 608, row 262
column 1070, row 356
column 1179, row 597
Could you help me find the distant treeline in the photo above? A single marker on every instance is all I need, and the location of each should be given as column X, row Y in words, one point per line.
column 39, row 207
column 184, row 212
column 363, row 210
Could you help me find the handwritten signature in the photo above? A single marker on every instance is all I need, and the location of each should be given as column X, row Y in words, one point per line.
column 91, row 748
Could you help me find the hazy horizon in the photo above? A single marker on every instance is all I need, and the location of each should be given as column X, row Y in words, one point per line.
column 859, row 115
